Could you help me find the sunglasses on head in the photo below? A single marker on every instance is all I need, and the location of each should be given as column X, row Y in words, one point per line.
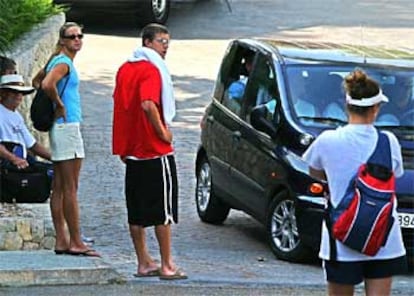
column 73, row 37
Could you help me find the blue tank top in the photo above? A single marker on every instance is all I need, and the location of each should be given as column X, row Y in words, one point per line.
column 70, row 96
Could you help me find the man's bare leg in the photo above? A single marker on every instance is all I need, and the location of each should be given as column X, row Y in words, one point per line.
column 163, row 233
column 145, row 262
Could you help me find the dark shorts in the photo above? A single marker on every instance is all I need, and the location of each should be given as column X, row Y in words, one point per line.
column 151, row 191
column 353, row 273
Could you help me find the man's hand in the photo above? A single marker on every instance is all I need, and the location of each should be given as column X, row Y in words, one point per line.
column 20, row 163
column 151, row 110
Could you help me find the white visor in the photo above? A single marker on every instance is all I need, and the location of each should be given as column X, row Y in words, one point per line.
column 367, row 102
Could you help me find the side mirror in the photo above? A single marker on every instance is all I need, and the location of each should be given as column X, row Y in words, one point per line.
column 261, row 119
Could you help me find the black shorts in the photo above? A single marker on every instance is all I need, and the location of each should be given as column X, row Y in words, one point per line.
column 353, row 273
column 151, row 191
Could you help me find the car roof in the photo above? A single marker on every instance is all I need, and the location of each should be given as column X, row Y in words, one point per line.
column 292, row 51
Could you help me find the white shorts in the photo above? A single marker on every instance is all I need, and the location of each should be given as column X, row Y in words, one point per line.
column 66, row 141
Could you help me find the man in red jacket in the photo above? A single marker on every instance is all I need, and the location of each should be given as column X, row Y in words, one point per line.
column 143, row 107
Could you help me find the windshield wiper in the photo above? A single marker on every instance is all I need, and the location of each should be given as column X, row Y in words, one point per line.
column 398, row 127
column 323, row 119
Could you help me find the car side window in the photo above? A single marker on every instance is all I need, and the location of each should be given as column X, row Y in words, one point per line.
column 262, row 88
column 238, row 77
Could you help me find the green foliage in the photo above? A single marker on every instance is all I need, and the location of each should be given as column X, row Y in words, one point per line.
column 19, row 16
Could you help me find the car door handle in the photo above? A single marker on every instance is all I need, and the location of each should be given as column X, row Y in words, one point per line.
column 210, row 118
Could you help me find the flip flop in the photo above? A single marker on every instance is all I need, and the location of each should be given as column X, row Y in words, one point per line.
column 177, row 275
column 86, row 253
column 150, row 273
column 61, row 252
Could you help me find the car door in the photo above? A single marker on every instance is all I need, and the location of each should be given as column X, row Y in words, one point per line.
column 223, row 119
column 254, row 164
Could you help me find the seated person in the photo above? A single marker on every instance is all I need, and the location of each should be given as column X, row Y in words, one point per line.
column 334, row 98
column 334, row 110
column 236, row 89
column 304, row 108
column 302, row 97
column 400, row 109
column 12, row 126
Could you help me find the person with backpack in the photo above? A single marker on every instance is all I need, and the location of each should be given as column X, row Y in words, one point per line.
column 60, row 81
column 336, row 156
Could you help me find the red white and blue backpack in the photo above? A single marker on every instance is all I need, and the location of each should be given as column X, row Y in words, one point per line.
column 363, row 218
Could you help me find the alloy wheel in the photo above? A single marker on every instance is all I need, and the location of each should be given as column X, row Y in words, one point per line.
column 204, row 187
column 284, row 230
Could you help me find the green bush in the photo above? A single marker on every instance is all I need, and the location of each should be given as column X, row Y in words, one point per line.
column 19, row 16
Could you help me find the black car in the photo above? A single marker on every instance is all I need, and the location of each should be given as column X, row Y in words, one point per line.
column 263, row 116
column 146, row 11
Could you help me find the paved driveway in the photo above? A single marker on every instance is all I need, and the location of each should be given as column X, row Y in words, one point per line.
column 235, row 252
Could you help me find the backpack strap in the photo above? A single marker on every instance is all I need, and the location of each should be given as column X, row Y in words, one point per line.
column 382, row 153
column 332, row 241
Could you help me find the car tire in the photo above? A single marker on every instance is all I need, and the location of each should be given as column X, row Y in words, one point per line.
column 210, row 208
column 152, row 11
column 282, row 231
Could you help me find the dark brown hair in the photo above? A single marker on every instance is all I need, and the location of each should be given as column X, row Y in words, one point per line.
column 359, row 85
column 7, row 65
column 150, row 30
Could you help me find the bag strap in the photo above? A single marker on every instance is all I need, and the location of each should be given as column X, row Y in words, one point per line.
column 382, row 152
column 67, row 75
column 332, row 242
column 64, row 86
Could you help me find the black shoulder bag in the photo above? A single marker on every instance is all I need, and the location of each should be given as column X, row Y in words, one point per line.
column 42, row 111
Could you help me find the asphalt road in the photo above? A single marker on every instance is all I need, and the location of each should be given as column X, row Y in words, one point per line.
column 232, row 259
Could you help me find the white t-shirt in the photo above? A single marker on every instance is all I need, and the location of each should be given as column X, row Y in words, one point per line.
column 13, row 129
column 339, row 153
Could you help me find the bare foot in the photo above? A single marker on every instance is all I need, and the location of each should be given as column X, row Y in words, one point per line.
column 150, row 267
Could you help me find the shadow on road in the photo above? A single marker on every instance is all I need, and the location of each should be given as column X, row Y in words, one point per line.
column 212, row 19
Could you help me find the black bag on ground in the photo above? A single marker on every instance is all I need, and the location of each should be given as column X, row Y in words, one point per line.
column 32, row 185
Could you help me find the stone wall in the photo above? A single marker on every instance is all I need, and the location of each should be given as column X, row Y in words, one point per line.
column 31, row 52
column 26, row 227
column 29, row 226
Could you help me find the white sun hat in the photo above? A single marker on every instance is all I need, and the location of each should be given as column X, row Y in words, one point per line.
column 15, row 82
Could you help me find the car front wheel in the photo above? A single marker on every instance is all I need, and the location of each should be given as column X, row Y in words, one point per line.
column 153, row 11
column 210, row 208
column 283, row 232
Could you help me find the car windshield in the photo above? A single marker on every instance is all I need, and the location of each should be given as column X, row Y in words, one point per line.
column 317, row 96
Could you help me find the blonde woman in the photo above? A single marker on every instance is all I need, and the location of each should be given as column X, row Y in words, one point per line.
column 61, row 83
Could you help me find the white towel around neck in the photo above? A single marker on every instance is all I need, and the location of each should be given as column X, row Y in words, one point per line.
column 167, row 93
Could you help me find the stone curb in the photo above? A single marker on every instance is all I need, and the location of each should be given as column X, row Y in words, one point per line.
column 24, row 268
